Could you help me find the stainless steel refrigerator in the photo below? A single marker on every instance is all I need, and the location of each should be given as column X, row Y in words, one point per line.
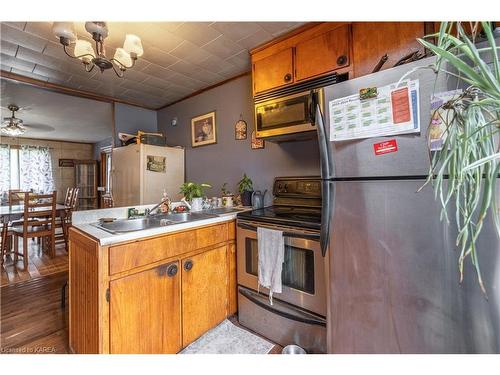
column 393, row 284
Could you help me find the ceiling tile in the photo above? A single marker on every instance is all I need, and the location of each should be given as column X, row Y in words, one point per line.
column 254, row 40
column 5, row 68
column 8, row 48
column 157, row 83
column 51, row 73
column 187, row 82
column 16, row 36
column 38, row 58
column 278, row 28
column 158, row 71
column 159, row 57
column 241, row 60
column 170, row 26
column 215, row 64
column 41, row 29
column 83, row 83
column 230, row 72
column 198, row 33
column 28, row 74
column 190, row 52
column 17, row 63
column 236, row 30
column 17, row 25
column 223, row 47
column 145, row 89
column 206, row 76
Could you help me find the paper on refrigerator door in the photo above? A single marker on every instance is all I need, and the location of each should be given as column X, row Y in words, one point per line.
column 394, row 111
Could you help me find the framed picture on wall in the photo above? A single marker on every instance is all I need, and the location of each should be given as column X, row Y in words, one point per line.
column 240, row 129
column 257, row 143
column 203, row 130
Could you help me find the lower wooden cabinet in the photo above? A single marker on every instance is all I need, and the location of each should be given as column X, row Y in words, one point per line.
column 204, row 292
column 145, row 312
column 151, row 295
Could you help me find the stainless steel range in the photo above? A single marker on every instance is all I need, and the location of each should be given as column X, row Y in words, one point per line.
column 297, row 315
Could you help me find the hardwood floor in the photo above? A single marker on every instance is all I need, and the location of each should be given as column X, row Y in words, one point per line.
column 32, row 320
column 40, row 264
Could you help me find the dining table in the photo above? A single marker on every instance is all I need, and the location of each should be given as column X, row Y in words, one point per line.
column 15, row 212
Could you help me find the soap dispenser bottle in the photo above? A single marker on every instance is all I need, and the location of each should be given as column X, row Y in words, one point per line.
column 165, row 207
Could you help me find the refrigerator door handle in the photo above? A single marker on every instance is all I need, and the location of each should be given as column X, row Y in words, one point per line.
column 325, row 157
column 327, row 168
column 327, row 200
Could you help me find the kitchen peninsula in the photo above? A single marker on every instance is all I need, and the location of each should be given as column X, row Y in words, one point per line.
column 153, row 291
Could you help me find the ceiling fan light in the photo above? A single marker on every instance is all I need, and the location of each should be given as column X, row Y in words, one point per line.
column 133, row 44
column 123, row 57
column 64, row 30
column 84, row 47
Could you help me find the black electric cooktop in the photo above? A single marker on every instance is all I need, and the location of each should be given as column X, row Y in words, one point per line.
column 299, row 217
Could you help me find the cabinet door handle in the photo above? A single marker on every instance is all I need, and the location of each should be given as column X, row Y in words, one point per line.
column 169, row 270
column 172, row 270
column 287, row 77
column 341, row 60
column 188, row 264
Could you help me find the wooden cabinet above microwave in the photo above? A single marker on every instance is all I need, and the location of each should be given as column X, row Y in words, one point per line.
column 309, row 53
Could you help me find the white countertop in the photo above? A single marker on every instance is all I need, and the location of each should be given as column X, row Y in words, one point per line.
column 106, row 238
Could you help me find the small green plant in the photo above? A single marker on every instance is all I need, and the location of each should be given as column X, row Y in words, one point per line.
column 245, row 184
column 224, row 191
column 192, row 190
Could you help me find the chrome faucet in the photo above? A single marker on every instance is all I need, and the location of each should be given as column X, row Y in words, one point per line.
column 148, row 211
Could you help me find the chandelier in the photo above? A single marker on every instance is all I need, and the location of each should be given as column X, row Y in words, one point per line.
column 123, row 59
column 12, row 126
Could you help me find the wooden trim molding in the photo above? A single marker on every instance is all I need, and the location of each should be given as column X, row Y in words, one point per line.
column 66, row 90
column 205, row 89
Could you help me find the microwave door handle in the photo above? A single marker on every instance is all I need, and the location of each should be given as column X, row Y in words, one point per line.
column 312, row 107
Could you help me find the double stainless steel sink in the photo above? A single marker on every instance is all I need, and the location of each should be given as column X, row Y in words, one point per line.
column 160, row 220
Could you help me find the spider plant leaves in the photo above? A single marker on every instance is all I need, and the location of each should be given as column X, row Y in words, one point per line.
column 470, row 157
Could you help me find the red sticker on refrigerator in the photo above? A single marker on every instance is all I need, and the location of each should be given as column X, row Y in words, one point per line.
column 385, row 147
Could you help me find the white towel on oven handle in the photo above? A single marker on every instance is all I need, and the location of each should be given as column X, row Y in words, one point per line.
column 271, row 253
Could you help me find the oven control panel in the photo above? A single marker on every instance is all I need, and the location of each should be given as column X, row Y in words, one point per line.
column 303, row 187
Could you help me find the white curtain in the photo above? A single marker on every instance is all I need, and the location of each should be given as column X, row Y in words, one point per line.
column 4, row 168
column 35, row 169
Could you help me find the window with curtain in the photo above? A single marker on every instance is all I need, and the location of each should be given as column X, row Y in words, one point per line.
column 4, row 168
column 26, row 168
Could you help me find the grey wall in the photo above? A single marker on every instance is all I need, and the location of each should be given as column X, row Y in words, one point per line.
column 227, row 160
column 129, row 119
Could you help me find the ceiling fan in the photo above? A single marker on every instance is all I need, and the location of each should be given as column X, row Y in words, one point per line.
column 14, row 127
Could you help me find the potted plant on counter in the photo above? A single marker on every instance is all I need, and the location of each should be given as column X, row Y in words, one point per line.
column 245, row 186
column 193, row 193
column 227, row 196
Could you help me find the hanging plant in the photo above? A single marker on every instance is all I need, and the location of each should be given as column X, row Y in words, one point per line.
column 470, row 156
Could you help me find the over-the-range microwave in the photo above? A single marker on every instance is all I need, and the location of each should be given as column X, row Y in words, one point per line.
column 289, row 113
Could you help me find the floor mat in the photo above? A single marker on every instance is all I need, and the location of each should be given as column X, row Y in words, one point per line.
column 227, row 338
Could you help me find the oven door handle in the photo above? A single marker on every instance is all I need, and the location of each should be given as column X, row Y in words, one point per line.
column 312, row 236
column 295, row 314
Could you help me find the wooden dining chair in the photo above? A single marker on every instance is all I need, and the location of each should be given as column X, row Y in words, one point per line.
column 15, row 197
column 6, row 235
column 38, row 221
column 64, row 221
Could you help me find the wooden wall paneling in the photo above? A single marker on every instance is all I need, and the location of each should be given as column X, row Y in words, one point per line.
column 83, row 294
column 204, row 293
column 371, row 40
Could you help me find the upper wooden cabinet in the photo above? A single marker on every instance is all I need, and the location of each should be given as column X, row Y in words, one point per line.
column 322, row 54
column 273, row 71
column 316, row 50
column 372, row 40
